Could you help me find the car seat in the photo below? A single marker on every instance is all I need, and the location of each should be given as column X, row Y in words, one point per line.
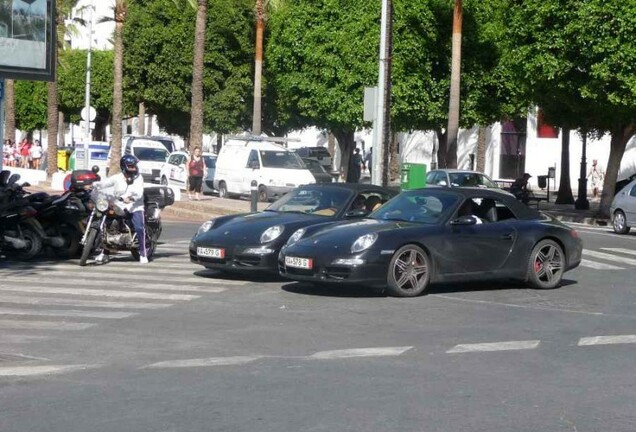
column 488, row 210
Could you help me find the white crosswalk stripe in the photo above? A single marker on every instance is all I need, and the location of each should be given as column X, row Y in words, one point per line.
column 40, row 299
column 610, row 259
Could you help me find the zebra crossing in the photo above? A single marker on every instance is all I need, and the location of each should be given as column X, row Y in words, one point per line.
column 609, row 259
column 38, row 300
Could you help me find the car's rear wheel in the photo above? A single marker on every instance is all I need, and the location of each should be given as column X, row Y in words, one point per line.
column 262, row 194
column 546, row 265
column 222, row 190
column 164, row 181
column 620, row 223
column 409, row 272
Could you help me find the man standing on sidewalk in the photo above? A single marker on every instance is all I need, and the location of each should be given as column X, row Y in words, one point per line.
column 596, row 176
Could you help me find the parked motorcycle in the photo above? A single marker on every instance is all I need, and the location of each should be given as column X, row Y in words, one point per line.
column 21, row 235
column 110, row 228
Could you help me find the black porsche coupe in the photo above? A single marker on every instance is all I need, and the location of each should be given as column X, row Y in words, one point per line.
column 252, row 241
column 436, row 235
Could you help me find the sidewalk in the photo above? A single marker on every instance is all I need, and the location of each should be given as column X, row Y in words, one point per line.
column 213, row 206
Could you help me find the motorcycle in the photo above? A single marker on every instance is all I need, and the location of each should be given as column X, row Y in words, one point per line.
column 110, row 228
column 20, row 232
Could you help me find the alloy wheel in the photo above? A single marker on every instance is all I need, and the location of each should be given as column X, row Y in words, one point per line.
column 410, row 271
column 548, row 264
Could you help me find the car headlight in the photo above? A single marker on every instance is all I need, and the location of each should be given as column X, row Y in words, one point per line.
column 272, row 233
column 297, row 235
column 364, row 242
column 207, row 226
column 102, row 205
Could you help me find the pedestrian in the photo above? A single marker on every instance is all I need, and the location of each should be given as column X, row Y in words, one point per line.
column 596, row 176
column 368, row 160
column 520, row 188
column 355, row 167
column 36, row 155
column 196, row 172
column 25, row 149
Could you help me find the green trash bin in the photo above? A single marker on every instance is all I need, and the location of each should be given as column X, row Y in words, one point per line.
column 412, row 176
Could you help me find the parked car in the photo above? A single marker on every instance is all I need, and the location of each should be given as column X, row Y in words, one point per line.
column 253, row 241
column 624, row 182
column 436, row 235
column 318, row 171
column 275, row 169
column 319, row 154
column 167, row 142
column 175, row 173
column 623, row 209
column 456, row 177
column 152, row 156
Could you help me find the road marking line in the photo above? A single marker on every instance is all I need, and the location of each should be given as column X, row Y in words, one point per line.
column 80, row 303
column 621, row 250
column 359, row 352
column 99, row 293
column 130, row 277
column 66, row 313
column 205, row 362
column 607, row 340
column 495, row 346
column 609, row 257
column 23, row 371
column 599, row 266
column 155, row 286
column 43, row 325
column 21, row 339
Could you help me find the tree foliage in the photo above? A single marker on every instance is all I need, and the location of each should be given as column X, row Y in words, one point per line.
column 582, row 74
column 158, row 41
column 30, row 105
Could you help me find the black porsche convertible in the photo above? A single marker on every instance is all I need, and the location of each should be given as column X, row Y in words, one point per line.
column 252, row 241
column 436, row 235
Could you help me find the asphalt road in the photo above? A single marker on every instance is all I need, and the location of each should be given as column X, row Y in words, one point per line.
column 168, row 347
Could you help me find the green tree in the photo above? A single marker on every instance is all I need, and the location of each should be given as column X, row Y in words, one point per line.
column 30, row 105
column 580, row 74
column 72, row 82
column 158, row 41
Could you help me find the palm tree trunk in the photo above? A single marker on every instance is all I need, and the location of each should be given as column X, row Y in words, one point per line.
column 453, row 106
column 481, row 150
column 564, row 196
column 52, row 128
column 196, row 112
column 116, row 132
column 141, row 125
column 9, row 107
column 258, row 69
column 61, row 140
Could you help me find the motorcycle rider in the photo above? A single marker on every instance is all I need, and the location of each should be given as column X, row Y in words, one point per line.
column 128, row 186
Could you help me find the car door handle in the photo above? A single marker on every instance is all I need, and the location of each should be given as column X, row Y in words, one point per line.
column 508, row 236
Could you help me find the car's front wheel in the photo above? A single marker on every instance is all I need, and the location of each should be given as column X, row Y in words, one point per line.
column 223, row 190
column 409, row 272
column 546, row 265
column 164, row 181
column 620, row 223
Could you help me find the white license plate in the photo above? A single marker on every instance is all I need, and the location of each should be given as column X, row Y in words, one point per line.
column 303, row 263
column 146, row 171
column 211, row 252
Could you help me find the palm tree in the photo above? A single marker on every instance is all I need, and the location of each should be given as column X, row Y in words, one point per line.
column 257, row 114
column 453, row 106
column 9, row 112
column 120, row 11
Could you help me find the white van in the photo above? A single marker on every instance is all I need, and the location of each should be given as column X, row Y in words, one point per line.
column 151, row 154
column 275, row 169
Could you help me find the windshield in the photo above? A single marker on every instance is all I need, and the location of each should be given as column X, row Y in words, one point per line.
column 151, row 154
column 320, row 202
column 281, row 159
column 422, row 206
column 314, row 166
column 470, row 180
column 210, row 161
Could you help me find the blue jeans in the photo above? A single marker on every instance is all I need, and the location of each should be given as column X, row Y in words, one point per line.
column 139, row 225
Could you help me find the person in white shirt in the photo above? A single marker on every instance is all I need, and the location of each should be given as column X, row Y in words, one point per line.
column 129, row 187
column 35, row 154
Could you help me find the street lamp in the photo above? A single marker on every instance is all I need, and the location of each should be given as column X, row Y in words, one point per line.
column 581, row 202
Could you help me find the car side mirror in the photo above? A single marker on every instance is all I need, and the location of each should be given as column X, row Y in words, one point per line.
column 464, row 220
column 95, row 169
column 359, row 213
